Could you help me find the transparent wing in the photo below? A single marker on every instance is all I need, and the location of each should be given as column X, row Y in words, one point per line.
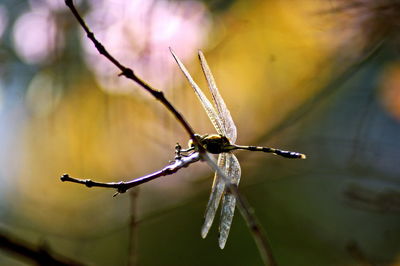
column 215, row 196
column 223, row 112
column 212, row 114
column 228, row 201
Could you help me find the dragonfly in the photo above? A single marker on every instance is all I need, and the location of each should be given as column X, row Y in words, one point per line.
column 222, row 144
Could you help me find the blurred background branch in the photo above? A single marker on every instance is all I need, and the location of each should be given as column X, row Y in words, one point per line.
column 133, row 235
column 40, row 255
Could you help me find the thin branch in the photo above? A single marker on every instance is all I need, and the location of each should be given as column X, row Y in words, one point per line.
column 41, row 255
column 130, row 74
column 122, row 186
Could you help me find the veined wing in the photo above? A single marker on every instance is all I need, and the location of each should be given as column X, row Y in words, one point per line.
column 212, row 114
column 223, row 112
column 215, row 196
column 228, row 201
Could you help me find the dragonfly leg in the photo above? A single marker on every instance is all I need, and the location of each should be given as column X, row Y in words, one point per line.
column 179, row 152
column 178, row 149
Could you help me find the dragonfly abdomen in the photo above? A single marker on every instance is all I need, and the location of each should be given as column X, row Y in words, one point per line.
column 289, row 154
column 286, row 154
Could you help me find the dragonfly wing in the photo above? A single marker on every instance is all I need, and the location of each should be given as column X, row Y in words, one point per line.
column 211, row 112
column 215, row 197
column 228, row 201
column 223, row 112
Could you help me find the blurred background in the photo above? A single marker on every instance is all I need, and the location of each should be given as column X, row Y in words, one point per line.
column 319, row 77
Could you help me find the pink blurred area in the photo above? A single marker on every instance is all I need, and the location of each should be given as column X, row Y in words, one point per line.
column 35, row 35
column 139, row 33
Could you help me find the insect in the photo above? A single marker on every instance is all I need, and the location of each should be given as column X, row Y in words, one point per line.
column 222, row 144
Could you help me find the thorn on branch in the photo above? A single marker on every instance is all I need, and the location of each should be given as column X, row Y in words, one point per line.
column 90, row 35
column 127, row 72
column 88, row 183
column 121, row 187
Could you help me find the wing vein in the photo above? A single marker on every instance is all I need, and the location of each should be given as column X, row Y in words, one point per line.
column 233, row 172
column 217, row 190
column 223, row 112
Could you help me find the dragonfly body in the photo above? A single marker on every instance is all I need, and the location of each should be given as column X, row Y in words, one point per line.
column 222, row 144
column 217, row 144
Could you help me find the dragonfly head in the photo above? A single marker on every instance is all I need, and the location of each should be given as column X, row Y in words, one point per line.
column 199, row 139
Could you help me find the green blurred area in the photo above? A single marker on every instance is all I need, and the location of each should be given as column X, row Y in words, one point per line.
column 288, row 81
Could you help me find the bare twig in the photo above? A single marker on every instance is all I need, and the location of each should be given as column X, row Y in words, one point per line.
column 41, row 255
column 133, row 228
column 122, row 187
column 130, row 74
column 244, row 208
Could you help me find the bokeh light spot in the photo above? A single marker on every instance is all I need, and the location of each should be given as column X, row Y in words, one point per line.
column 139, row 33
column 43, row 94
column 34, row 36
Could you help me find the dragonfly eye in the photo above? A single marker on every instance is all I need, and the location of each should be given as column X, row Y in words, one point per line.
column 199, row 139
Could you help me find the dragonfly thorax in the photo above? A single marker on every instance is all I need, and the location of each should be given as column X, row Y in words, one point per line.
column 213, row 143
